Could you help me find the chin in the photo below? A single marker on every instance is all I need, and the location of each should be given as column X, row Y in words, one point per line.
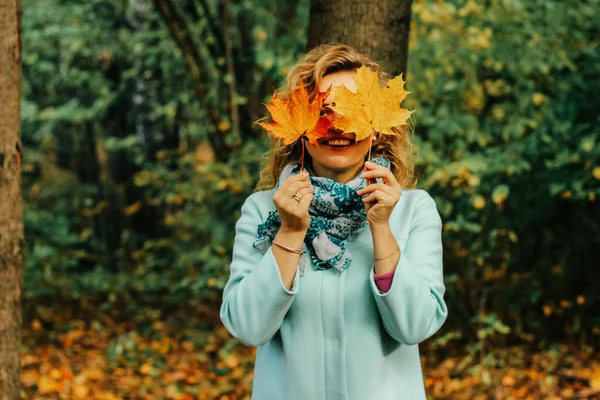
column 338, row 164
column 337, row 169
column 338, row 160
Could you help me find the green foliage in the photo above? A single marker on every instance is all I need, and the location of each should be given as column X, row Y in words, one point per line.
column 508, row 145
column 128, row 202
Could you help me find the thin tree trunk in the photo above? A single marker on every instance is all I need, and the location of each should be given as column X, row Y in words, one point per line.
column 11, row 208
column 181, row 34
column 378, row 28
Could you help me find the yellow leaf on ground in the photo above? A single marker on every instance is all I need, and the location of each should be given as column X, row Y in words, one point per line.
column 48, row 385
column 55, row 374
column 29, row 377
column 232, row 361
column 95, row 374
column 80, row 391
column 36, row 325
column 146, row 368
column 595, row 378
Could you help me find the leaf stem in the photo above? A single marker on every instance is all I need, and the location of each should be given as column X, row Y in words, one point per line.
column 302, row 139
column 371, row 180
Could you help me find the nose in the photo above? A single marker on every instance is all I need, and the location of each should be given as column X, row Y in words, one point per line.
column 332, row 116
column 333, row 130
column 335, row 115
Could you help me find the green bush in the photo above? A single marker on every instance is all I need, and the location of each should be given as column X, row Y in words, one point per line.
column 506, row 127
column 126, row 202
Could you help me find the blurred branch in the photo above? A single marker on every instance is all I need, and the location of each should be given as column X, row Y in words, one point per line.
column 244, row 61
column 219, row 35
column 180, row 32
column 235, row 114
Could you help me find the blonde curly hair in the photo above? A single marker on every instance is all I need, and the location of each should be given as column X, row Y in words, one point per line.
column 320, row 61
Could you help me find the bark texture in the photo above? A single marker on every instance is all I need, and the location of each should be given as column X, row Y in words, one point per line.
column 377, row 28
column 11, row 209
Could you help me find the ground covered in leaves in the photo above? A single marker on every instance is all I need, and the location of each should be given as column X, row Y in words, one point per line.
column 189, row 355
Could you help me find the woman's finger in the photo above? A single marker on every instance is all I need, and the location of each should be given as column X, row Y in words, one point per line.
column 379, row 196
column 295, row 187
column 376, row 207
column 304, row 191
column 293, row 179
column 375, row 186
column 301, row 194
column 378, row 171
column 285, row 192
column 305, row 202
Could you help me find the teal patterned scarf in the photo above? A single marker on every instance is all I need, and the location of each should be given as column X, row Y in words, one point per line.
column 336, row 212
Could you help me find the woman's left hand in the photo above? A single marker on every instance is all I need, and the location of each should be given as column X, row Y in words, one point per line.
column 380, row 198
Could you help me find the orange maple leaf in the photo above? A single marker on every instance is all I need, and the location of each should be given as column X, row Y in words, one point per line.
column 371, row 108
column 297, row 117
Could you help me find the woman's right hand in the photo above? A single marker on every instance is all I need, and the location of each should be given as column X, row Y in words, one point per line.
column 293, row 213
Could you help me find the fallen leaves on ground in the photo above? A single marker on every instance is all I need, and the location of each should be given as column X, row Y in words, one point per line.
column 566, row 371
column 105, row 360
column 67, row 357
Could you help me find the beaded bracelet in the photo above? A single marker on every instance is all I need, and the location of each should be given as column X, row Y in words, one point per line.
column 297, row 251
column 389, row 255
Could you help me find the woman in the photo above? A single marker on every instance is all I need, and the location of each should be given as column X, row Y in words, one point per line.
column 334, row 279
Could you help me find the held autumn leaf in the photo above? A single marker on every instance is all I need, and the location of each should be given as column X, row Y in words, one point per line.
column 371, row 108
column 297, row 117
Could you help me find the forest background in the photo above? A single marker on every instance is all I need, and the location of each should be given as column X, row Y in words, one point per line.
column 139, row 149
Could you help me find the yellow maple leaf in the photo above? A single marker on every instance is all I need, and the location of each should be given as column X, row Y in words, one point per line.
column 146, row 369
column 297, row 117
column 371, row 108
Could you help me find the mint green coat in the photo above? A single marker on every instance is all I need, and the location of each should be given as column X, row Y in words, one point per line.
column 334, row 336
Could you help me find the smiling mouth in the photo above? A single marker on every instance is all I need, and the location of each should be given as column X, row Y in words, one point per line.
column 337, row 141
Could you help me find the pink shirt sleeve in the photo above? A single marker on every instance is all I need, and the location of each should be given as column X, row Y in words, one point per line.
column 384, row 281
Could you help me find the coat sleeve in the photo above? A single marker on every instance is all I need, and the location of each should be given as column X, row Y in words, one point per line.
column 413, row 309
column 255, row 300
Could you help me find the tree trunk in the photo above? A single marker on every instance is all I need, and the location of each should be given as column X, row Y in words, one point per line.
column 377, row 28
column 11, row 208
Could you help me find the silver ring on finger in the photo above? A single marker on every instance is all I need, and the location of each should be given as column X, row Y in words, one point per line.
column 296, row 198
